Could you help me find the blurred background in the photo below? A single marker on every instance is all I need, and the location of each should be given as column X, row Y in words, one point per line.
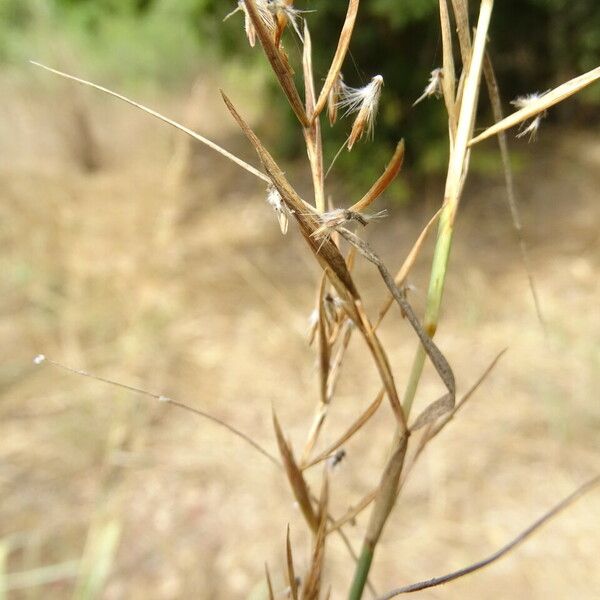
column 131, row 253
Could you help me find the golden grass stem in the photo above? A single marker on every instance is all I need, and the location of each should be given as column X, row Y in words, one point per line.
column 543, row 103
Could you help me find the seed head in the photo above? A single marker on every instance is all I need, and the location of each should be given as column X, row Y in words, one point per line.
column 265, row 16
column 284, row 13
column 434, row 87
column 39, row 359
column 364, row 101
column 534, row 124
column 340, row 217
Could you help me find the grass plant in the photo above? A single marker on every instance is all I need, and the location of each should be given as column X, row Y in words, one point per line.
column 332, row 234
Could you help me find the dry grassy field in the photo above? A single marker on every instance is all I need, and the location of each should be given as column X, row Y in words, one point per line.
column 181, row 284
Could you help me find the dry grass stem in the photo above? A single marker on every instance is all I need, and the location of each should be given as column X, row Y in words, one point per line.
column 269, row 584
column 524, row 535
column 494, row 94
column 543, row 103
column 409, row 261
column 183, row 128
column 354, row 428
column 338, row 58
column 165, row 399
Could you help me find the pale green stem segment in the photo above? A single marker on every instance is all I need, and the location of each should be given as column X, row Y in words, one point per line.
column 361, row 572
column 457, row 170
column 434, row 300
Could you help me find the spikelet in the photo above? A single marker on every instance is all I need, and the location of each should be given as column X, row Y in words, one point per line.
column 264, row 13
column 434, row 86
column 364, row 101
column 534, row 125
column 285, row 14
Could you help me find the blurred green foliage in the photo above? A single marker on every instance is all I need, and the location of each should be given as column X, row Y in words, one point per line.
column 536, row 44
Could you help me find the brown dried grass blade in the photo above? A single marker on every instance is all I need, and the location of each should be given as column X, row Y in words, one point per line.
column 325, row 251
column 435, row 581
column 279, row 62
column 543, row 103
column 186, row 130
column 269, row 584
column 294, row 475
column 407, row 265
column 338, row 58
column 312, row 586
column 312, row 133
column 329, row 257
column 449, row 78
column 494, row 94
column 293, row 583
column 356, row 426
column 390, row 173
column 386, row 495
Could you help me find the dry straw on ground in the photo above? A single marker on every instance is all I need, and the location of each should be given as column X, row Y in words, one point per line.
column 340, row 306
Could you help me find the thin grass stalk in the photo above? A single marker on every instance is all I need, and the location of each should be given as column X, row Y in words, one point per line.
column 150, row 111
column 543, row 103
column 519, row 539
column 338, row 58
column 384, row 503
column 494, row 94
column 457, row 171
